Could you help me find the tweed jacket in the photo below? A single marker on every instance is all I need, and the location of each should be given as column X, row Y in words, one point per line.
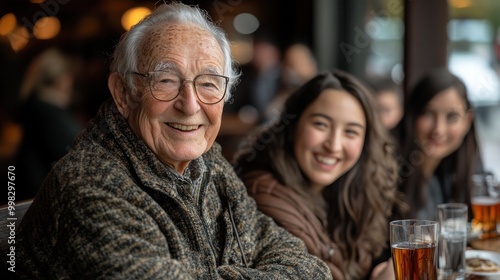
column 111, row 210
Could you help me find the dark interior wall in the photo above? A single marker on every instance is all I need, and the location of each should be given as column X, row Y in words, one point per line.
column 426, row 38
column 353, row 38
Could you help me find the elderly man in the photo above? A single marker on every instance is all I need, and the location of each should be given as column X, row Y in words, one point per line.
column 145, row 192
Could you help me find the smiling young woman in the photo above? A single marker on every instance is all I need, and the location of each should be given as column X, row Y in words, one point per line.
column 439, row 149
column 325, row 171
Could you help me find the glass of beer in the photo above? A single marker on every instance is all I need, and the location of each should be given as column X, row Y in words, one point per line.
column 494, row 190
column 485, row 206
column 414, row 249
column 495, row 187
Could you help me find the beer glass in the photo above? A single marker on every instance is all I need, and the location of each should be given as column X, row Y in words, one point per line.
column 452, row 218
column 414, row 249
column 494, row 190
column 484, row 206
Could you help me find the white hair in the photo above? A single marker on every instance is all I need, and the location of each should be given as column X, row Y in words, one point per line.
column 126, row 52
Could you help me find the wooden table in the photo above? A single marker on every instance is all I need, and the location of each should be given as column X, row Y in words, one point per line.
column 492, row 244
column 478, row 277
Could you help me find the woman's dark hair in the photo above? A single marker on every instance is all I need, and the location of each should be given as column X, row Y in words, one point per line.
column 355, row 208
column 458, row 166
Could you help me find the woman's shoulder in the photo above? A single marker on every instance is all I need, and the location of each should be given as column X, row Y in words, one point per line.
column 264, row 182
column 274, row 198
column 289, row 210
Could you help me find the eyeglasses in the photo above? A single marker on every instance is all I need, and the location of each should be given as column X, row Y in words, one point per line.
column 166, row 86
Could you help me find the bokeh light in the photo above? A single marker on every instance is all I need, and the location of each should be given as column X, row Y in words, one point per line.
column 246, row 23
column 133, row 16
column 7, row 24
column 46, row 28
column 19, row 38
column 460, row 3
column 242, row 51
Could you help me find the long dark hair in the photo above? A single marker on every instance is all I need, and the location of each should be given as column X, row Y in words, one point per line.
column 355, row 208
column 457, row 167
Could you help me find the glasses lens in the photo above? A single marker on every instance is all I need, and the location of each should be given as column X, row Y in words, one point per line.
column 164, row 85
column 210, row 88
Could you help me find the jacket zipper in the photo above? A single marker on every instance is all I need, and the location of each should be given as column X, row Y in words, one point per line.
column 195, row 201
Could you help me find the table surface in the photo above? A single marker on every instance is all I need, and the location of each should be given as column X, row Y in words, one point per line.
column 478, row 277
column 492, row 244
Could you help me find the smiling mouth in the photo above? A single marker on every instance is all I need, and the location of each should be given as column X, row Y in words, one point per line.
column 326, row 160
column 435, row 142
column 183, row 127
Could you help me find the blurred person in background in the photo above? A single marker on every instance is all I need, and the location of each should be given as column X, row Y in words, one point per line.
column 438, row 146
column 260, row 81
column 325, row 171
column 297, row 67
column 389, row 98
column 48, row 123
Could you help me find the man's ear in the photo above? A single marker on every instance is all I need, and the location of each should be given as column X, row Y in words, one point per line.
column 117, row 88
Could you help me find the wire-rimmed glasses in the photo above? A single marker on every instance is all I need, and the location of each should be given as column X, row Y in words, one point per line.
column 167, row 85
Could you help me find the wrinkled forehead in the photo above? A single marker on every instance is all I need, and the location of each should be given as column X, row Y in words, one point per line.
column 160, row 41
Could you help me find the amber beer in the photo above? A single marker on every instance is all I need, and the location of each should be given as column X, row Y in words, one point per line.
column 484, row 209
column 414, row 249
column 414, row 261
column 498, row 213
column 496, row 194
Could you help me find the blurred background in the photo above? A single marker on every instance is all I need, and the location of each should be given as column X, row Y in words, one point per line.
column 376, row 40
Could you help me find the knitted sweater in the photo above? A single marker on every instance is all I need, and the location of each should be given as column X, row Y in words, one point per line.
column 288, row 209
column 111, row 210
